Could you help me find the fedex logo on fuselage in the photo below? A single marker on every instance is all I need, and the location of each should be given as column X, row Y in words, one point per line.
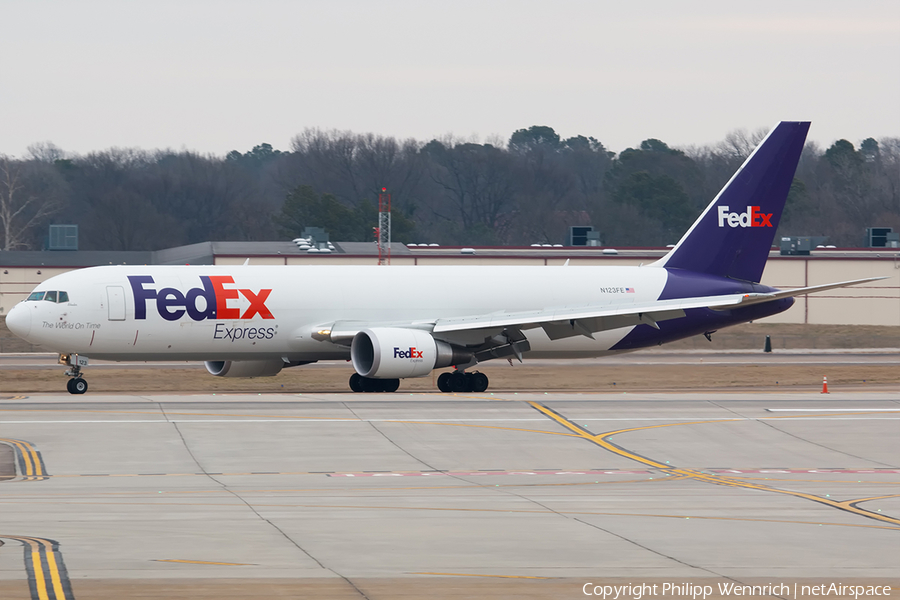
column 411, row 353
column 172, row 304
column 751, row 218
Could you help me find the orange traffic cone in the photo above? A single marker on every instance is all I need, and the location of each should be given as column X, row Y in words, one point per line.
column 824, row 385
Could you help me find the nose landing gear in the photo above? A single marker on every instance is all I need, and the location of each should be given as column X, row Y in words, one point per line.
column 77, row 384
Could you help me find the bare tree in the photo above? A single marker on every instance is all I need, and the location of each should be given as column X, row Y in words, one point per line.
column 476, row 184
column 889, row 159
column 354, row 167
column 46, row 152
column 124, row 220
column 740, row 143
column 29, row 193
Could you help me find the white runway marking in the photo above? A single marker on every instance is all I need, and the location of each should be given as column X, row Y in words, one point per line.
column 834, row 409
column 425, row 420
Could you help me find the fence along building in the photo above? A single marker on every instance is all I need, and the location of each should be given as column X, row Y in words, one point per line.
column 876, row 303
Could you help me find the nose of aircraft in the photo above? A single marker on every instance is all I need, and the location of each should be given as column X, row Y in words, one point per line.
column 19, row 320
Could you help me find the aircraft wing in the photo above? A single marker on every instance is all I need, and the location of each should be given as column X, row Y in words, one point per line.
column 585, row 320
column 557, row 322
column 566, row 322
column 500, row 333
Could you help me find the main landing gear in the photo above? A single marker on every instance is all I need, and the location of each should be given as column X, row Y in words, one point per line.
column 77, row 384
column 358, row 383
column 459, row 381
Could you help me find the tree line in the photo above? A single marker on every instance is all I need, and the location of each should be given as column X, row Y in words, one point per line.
column 451, row 191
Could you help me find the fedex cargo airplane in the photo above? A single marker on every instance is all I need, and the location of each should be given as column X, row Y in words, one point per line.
column 404, row 321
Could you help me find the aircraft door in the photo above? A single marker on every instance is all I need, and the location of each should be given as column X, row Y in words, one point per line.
column 115, row 295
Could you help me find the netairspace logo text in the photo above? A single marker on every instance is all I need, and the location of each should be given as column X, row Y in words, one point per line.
column 701, row 592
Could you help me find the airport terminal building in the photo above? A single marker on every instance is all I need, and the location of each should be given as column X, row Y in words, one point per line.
column 876, row 303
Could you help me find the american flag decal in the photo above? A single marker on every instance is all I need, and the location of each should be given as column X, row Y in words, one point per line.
column 629, row 290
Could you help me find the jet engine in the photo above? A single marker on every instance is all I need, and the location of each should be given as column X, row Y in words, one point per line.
column 244, row 368
column 394, row 353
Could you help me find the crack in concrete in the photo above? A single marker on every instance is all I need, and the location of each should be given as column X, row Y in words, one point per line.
column 291, row 540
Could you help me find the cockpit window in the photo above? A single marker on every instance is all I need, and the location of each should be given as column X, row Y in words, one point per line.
column 54, row 296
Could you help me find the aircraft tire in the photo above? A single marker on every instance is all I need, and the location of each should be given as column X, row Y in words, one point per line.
column 443, row 382
column 390, row 385
column 469, row 377
column 77, row 386
column 369, row 384
column 458, row 382
column 69, row 386
column 478, row 382
column 356, row 382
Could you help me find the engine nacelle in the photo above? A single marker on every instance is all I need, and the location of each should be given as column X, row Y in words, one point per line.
column 394, row 353
column 244, row 368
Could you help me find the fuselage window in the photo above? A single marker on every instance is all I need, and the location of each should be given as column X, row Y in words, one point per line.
column 50, row 297
column 35, row 296
column 63, row 297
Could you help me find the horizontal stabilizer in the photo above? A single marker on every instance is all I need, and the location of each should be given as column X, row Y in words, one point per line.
column 748, row 299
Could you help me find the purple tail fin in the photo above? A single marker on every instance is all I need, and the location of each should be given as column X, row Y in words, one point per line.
column 733, row 235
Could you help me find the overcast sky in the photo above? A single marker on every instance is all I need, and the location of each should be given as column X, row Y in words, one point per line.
column 213, row 76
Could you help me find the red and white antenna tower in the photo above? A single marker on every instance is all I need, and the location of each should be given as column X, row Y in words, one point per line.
column 383, row 232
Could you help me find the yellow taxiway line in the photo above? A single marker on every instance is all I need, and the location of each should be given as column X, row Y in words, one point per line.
column 602, row 440
column 31, row 465
column 47, row 576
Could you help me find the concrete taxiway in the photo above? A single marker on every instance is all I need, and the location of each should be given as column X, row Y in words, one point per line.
column 363, row 494
column 653, row 356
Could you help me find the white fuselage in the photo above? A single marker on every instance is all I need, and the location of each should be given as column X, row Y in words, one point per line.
column 103, row 316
